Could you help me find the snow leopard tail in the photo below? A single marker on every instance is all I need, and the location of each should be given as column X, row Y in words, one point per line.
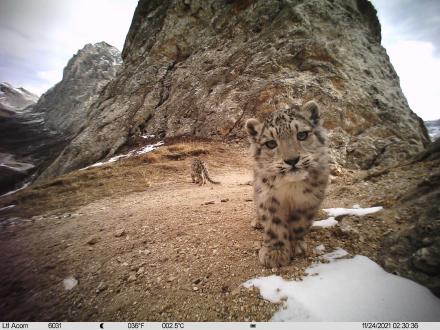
column 205, row 173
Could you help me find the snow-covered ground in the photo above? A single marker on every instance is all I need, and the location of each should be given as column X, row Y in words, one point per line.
column 355, row 289
column 335, row 212
column 132, row 153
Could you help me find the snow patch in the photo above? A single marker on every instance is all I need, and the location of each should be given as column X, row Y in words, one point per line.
column 7, row 207
column 14, row 191
column 355, row 289
column 329, row 222
column 132, row 153
column 335, row 212
column 147, row 136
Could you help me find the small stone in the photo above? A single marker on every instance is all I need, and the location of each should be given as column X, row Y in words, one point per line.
column 171, row 278
column 248, row 200
column 427, row 260
column 101, row 287
column 140, row 270
column 120, row 232
column 208, row 203
column 92, row 240
column 236, row 291
column 70, row 282
column 320, row 249
column 195, row 288
column 132, row 278
column 224, row 200
column 197, row 281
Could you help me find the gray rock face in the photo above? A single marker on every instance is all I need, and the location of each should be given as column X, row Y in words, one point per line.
column 414, row 251
column 66, row 104
column 202, row 67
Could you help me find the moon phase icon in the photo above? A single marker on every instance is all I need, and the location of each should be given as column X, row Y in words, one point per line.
column 101, row 325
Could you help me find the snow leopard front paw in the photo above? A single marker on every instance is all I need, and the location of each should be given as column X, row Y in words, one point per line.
column 299, row 248
column 274, row 257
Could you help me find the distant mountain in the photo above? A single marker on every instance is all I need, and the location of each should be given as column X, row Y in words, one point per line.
column 14, row 99
column 65, row 106
column 33, row 134
column 433, row 127
column 24, row 137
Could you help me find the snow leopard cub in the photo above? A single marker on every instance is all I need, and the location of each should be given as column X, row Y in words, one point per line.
column 199, row 172
column 290, row 177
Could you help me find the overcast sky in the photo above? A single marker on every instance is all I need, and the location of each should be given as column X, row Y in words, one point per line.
column 38, row 37
column 411, row 36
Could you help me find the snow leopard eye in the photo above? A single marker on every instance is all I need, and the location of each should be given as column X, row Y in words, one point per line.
column 302, row 135
column 271, row 144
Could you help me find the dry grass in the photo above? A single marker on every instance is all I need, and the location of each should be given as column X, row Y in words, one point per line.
column 68, row 192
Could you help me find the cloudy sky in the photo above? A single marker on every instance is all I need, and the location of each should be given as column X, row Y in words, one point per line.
column 411, row 36
column 38, row 37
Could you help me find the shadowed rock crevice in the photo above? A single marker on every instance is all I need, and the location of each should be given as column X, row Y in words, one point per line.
column 414, row 250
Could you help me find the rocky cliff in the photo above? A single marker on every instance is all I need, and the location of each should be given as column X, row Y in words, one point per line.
column 202, row 67
column 65, row 105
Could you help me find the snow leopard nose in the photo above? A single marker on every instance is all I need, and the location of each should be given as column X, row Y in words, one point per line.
column 292, row 161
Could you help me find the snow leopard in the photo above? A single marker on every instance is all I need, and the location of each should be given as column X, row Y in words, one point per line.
column 199, row 172
column 291, row 170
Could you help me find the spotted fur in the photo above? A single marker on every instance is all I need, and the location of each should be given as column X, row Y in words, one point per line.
column 199, row 172
column 290, row 177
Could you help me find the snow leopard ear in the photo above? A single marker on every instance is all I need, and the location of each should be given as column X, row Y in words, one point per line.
column 253, row 128
column 312, row 109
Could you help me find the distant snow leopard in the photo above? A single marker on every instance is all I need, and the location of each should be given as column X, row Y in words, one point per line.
column 290, row 176
column 199, row 172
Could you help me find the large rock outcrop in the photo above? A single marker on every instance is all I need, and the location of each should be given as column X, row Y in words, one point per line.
column 202, row 67
column 66, row 104
column 414, row 250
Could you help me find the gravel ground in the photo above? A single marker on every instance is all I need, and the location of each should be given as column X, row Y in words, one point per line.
column 172, row 251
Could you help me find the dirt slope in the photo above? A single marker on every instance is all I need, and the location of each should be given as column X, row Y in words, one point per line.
column 165, row 249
